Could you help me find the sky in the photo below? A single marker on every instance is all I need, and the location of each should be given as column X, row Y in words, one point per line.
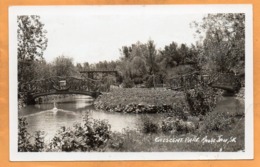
column 98, row 34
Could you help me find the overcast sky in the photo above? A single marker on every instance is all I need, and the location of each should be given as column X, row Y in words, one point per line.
column 97, row 35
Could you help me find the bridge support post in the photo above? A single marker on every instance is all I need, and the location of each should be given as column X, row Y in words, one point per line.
column 95, row 94
column 30, row 100
column 228, row 93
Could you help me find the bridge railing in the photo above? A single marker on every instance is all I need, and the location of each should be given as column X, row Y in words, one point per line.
column 61, row 84
column 227, row 81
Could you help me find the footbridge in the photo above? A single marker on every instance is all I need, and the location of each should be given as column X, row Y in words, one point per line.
column 225, row 81
column 61, row 85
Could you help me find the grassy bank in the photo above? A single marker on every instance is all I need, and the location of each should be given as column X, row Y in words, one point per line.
column 140, row 100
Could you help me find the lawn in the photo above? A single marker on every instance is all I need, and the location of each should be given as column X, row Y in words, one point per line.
column 140, row 100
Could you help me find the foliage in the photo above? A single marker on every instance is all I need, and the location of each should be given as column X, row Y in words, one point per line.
column 168, row 125
column 128, row 83
column 31, row 37
column 39, row 145
column 32, row 42
column 116, row 141
column 149, row 83
column 171, row 56
column 178, row 126
column 201, row 100
column 63, row 66
column 93, row 135
column 217, row 121
column 138, row 61
column 136, row 141
column 24, row 144
column 224, row 41
column 42, row 70
column 27, row 142
column 148, row 125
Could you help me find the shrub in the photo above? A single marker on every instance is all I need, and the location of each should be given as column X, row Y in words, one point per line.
column 148, row 125
column 201, row 100
column 149, row 81
column 217, row 121
column 116, row 141
column 27, row 142
column 180, row 111
column 128, row 83
column 184, row 126
column 24, row 144
column 39, row 141
column 93, row 135
column 168, row 125
column 171, row 124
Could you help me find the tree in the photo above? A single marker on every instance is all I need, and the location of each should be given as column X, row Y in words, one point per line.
column 138, row 69
column 32, row 42
column 42, row 70
column 171, row 56
column 224, row 42
column 126, row 51
column 184, row 53
column 151, row 60
column 63, row 66
column 79, row 67
column 86, row 66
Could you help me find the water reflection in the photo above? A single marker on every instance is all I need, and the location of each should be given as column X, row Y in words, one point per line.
column 50, row 117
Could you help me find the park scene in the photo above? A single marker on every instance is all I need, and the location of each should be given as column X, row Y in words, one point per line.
column 148, row 96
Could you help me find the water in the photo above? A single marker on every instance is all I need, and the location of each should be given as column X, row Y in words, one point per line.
column 49, row 117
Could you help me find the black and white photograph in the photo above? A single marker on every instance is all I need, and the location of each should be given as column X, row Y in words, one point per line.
column 132, row 82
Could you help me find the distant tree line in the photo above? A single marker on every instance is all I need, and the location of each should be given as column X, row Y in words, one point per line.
column 220, row 48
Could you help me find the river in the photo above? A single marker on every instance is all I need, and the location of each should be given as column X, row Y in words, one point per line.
column 49, row 117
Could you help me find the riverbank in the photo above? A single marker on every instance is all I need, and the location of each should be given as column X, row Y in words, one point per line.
column 219, row 130
column 140, row 100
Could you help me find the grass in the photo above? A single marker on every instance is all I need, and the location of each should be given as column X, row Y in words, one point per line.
column 141, row 95
column 128, row 99
column 198, row 141
column 134, row 141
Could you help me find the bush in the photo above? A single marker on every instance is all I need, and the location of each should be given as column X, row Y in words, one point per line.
column 149, row 81
column 180, row 110
column 172, row 125
column 185, row 126
column 24, row 144
column 39, row 141
column 168, row 125
column 201, row 100
column 93, row 135
column 217, row 121
column 27, row 142
column 128, row 83
column 116, row 141
column 148, row 125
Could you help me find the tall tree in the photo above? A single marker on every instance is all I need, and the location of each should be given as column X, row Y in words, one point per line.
column 224, row 42
column 151, row 60
column 32, row 42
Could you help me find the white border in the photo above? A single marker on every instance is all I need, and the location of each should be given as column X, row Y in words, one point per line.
column 127, row 10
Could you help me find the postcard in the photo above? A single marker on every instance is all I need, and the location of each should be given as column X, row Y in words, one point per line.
column 131, row 82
